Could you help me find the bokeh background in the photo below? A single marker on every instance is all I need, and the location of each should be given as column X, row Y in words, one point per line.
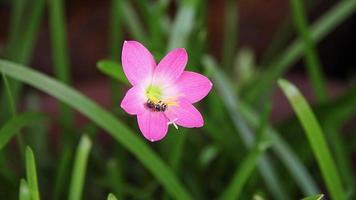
column 246, row 40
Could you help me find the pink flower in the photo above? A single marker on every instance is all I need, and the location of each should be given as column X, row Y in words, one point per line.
column 161, row 94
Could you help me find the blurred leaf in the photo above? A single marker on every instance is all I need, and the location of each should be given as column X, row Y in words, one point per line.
column 79, row 168
column 102, row 118
column 115, row 179
column 62, row 171
column 265, row 166
column 327, row 23
column 316, row 139
column 244, row 68
column 208, row 155
column 111, row 197
column 132, row 21
column 183, row 24
column 24, row 191
column 14, row 125
column 280, row 147
column 113, row 70
column 32, row 174
column 230, row 33
column 310, row 53
column 314, row 197
column 60, row 55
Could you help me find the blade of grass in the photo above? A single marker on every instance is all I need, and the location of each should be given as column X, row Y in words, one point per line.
column 230, row 33
column 327, row 23
column 114, row 177
column 21, row 52
column 32, row 174
column 60, row 54
column 133, row 22
column 13, row 109
column 182, row 25
column 310, row 53
column 314, row 197
column 116, row 33
column 265, row 166
column 103, row 119
column 24, row 193
column 14, row 125
column 111, row 197
column 113, row 70
column 62, row 171
column 15, row 22
column 247, row 166
column 280, row 147
column 316, row 139
column 79, row 169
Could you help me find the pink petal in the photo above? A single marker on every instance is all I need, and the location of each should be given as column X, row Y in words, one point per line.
column 153, row 125
column 137, row 62
column 185, row 114
column 193, row 86
column 171, row 67
column 134, row 101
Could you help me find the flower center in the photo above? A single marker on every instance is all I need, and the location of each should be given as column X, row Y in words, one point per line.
column 154, row 102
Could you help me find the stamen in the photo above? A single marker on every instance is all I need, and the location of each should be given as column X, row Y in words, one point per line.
column 174, row 124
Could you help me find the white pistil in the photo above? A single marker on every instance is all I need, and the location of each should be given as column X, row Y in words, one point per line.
column 174, row 124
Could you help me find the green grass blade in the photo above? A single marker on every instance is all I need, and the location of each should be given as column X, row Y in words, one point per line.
column 265, row 166
column 13, row 111
column 17, row 9
column 285, row 153
column 111, row 197
column 115, row 179
column 32, row 174
column 230, row 33
column 314, row 197
column 23, row 52
column 316, row 139
column 311, row 58
column 242, row 173
column 79, row 169
column 280, row 147
column 130, row 140
column 248, row 165
column 182, row 25
column 113, row 70
column 14, row 125
column 327, row 23
column 25, row 193
column 133, row 22
column 60, row 53
column 62, row 171
column 115, row 41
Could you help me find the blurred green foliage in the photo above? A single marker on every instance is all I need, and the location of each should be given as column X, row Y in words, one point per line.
column 238, row 154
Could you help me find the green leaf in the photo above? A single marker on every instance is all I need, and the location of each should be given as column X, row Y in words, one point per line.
column 183, row 24
column 60, row 54
column 327, row 23
column 230, row 33
column 24, row 191
column 280, row 147
column 14, row 125
column 265, row 166
column 79, row 169
column 32, row 174
column 311, row 58
column 113, row 70
column 129, row 139
column 314, row 197
column 111, row 197
column 316, row 139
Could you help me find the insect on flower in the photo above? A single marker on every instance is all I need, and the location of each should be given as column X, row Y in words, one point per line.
column 163, row 93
